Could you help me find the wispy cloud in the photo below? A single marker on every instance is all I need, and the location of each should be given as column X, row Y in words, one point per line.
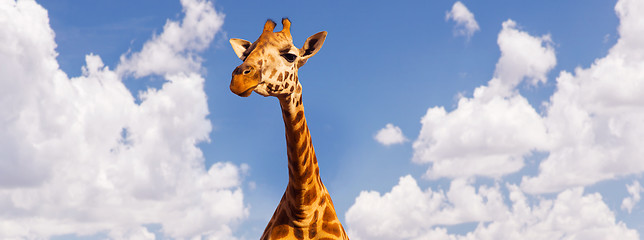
column 466, row 25
column 634, row 191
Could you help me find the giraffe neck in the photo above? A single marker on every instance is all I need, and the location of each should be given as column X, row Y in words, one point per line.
column 306, row 210
column 304, row 185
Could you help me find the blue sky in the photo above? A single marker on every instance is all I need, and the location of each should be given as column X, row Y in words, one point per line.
column 557, row 131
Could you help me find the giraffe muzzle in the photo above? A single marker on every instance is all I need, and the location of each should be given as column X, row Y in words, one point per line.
column 244, row 80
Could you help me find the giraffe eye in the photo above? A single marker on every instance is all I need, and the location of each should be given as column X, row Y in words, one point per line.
column 289, row 57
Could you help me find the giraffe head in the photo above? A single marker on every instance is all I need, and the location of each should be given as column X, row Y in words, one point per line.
column 271, row 62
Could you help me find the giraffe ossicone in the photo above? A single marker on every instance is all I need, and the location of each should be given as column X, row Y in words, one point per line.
column 269, row 68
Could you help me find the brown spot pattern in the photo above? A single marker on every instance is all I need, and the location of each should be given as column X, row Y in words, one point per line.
column 329, row 215
column 298, row 233
column 298, row 116
column 314, row 226
column 309, row 196
column 332, row 228
column 279, row 231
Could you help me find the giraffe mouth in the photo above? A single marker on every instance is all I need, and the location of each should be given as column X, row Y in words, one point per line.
column 247, row 92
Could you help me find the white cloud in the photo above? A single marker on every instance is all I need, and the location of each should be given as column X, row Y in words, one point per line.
column 407, row 212
column 591, row 130
column 595, row 116
column 79, row 156
column 390, row 135
column 466, row 25
column 522, row 57
column 572, row 215
column 592, row 127
column 140, row 233
column 176, row 48
column 634, row 190
column 490, row 133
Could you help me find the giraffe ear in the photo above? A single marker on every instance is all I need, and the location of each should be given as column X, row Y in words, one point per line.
column 239, row 46
column 311, row 47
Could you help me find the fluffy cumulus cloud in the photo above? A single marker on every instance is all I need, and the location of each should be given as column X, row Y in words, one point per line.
column 79, row 156
column 634, row 191
column 390, row 135
column 466, row 25
column 591, row 130
column 407, row 212
column 595, row 116
column 490, row 133
column 176, row 48
column 571, row 215
column 523, row 58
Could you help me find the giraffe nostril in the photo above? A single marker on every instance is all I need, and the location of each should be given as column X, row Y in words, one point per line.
column 246, row 72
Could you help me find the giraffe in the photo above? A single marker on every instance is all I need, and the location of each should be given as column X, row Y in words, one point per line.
column 270, row 68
